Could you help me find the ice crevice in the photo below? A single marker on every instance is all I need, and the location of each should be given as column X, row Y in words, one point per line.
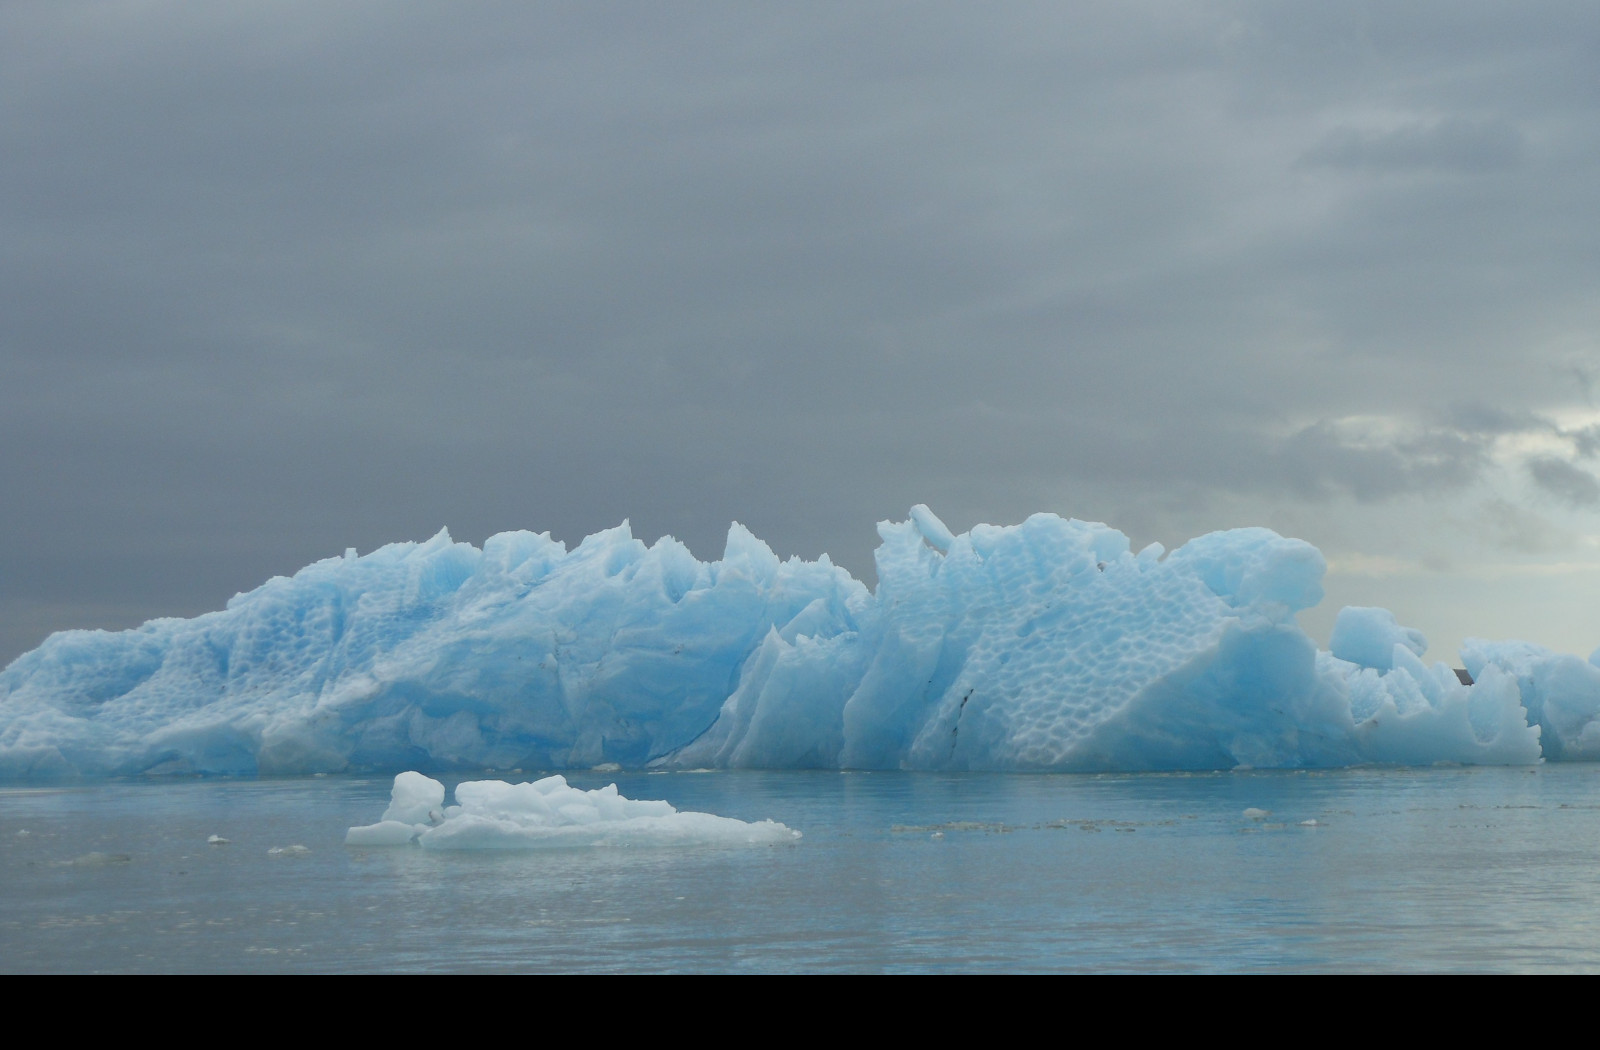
column 1047, row 645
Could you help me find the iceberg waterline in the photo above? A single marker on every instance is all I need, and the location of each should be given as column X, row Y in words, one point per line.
column 1048, row 645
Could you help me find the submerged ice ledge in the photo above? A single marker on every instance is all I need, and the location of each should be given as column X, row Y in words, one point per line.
column 1048, row 645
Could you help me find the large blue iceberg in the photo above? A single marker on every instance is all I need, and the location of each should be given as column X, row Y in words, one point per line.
column 1047, row 645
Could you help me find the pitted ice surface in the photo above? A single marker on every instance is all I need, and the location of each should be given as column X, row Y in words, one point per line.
column 1046, row 645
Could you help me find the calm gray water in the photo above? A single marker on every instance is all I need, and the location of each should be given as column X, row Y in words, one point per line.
column 1437, row 869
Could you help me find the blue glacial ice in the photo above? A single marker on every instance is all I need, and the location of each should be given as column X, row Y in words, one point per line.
column 1048, row 645
column 547, row 814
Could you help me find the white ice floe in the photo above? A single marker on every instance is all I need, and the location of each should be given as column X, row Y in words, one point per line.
column 546, row 814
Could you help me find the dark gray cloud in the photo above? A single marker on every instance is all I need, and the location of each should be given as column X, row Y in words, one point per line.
column 1490, row 420
column 280, row 279
column 1565, row 481
column 1324, row 462
column 1586, row 440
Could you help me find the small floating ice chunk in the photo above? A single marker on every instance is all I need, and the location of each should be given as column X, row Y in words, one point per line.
column 218, row 840
column 99, row 860
column 550, row 813
column 1313, row 823
column 296, row 850
column 1257, row 814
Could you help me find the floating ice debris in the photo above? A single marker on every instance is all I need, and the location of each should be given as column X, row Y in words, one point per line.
column 1047, row 645
column 289, row 851
column 23, row 833
column 1311, row 823
column 218, row 840
column 546, row 814
column 99, row 860
column 1257, row 814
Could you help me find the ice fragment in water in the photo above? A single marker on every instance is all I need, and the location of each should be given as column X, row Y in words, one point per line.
column 551, row 814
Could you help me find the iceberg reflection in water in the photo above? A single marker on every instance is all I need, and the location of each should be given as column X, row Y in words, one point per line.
column 1434, row 869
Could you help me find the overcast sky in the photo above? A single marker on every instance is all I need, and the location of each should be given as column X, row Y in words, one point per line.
column 281, row 279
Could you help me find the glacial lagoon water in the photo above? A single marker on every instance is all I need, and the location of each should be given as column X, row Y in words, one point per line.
column 1438, row 869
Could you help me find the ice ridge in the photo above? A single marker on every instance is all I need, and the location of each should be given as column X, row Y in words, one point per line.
column 1048, row 645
